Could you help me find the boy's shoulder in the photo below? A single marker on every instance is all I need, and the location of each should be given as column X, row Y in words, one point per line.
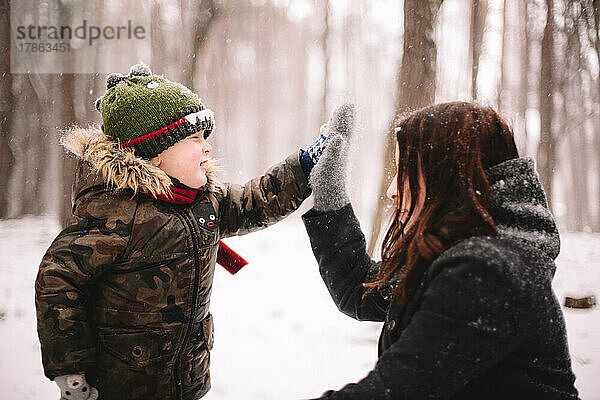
column 104, row 205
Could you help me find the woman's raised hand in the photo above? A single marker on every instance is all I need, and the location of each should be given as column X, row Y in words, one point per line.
column 328, row 178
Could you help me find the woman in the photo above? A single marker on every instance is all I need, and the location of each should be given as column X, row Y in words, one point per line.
column 464, row 285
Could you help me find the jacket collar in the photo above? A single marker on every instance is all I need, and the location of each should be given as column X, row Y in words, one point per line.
column 107, row 166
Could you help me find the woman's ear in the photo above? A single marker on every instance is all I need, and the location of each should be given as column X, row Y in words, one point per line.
column 156, row 161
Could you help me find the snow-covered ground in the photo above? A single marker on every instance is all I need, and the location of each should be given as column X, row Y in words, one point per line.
column 277, row 333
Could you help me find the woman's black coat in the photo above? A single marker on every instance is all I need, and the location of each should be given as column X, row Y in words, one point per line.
column 484, row 323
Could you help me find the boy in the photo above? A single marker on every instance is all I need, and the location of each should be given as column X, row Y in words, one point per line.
column 123, row 293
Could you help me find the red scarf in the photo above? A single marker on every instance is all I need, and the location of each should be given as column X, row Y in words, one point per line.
column 180, row 196
column 226, row 257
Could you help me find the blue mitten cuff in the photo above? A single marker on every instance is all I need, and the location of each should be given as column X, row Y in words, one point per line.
column 307, row 163
column 315, row 150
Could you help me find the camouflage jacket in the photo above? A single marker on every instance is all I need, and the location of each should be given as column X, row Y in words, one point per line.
column 123, row 292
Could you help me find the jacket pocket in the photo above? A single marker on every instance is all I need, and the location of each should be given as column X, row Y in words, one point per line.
column 141, row 265
column 208, row 331
column 138, row 349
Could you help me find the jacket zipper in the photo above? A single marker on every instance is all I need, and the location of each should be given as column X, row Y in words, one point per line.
column 178, row 384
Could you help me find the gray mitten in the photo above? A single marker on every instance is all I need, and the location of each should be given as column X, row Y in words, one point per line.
column 75, row 387
column 329, row 175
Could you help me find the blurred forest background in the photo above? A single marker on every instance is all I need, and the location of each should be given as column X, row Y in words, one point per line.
column 273, row 70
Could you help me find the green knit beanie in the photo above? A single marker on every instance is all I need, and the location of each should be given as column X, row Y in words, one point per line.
column 150, row 113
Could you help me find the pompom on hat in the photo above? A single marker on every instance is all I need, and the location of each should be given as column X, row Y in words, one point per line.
column 149, row 113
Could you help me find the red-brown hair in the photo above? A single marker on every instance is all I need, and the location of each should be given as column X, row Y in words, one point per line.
column 452, row 144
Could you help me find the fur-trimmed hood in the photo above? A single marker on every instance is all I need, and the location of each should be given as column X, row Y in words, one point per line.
column 119, row 168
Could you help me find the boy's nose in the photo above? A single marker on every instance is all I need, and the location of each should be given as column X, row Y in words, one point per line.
column 207, row 147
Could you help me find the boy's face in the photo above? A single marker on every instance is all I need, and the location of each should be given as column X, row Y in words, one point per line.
column 186, row 160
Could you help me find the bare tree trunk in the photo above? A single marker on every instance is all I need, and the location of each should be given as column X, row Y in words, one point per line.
column 67, row 117
column 596, row 20
column 416, row 86
column 204, row 16
column 578, row 215
column 502, row 85
column 574, row 132
column 263, row 74
column 523, row 76
column 32, row 149
column 596, row 39
column 547, row 146
column 300, row 88
column 478, row 16
column 596, row 127
column 572, row 81
column 67, row 89
column 43, row 157
column 27, row 181
column 325, row 46
column 7, row 104
column 157, row 43
column 51, row 175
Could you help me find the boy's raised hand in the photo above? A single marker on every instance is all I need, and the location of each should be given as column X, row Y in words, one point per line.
column 330, row 173
column 341, row 123
column 75, row 387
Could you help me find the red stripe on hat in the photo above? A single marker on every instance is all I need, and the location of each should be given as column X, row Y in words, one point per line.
column 154, row 134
